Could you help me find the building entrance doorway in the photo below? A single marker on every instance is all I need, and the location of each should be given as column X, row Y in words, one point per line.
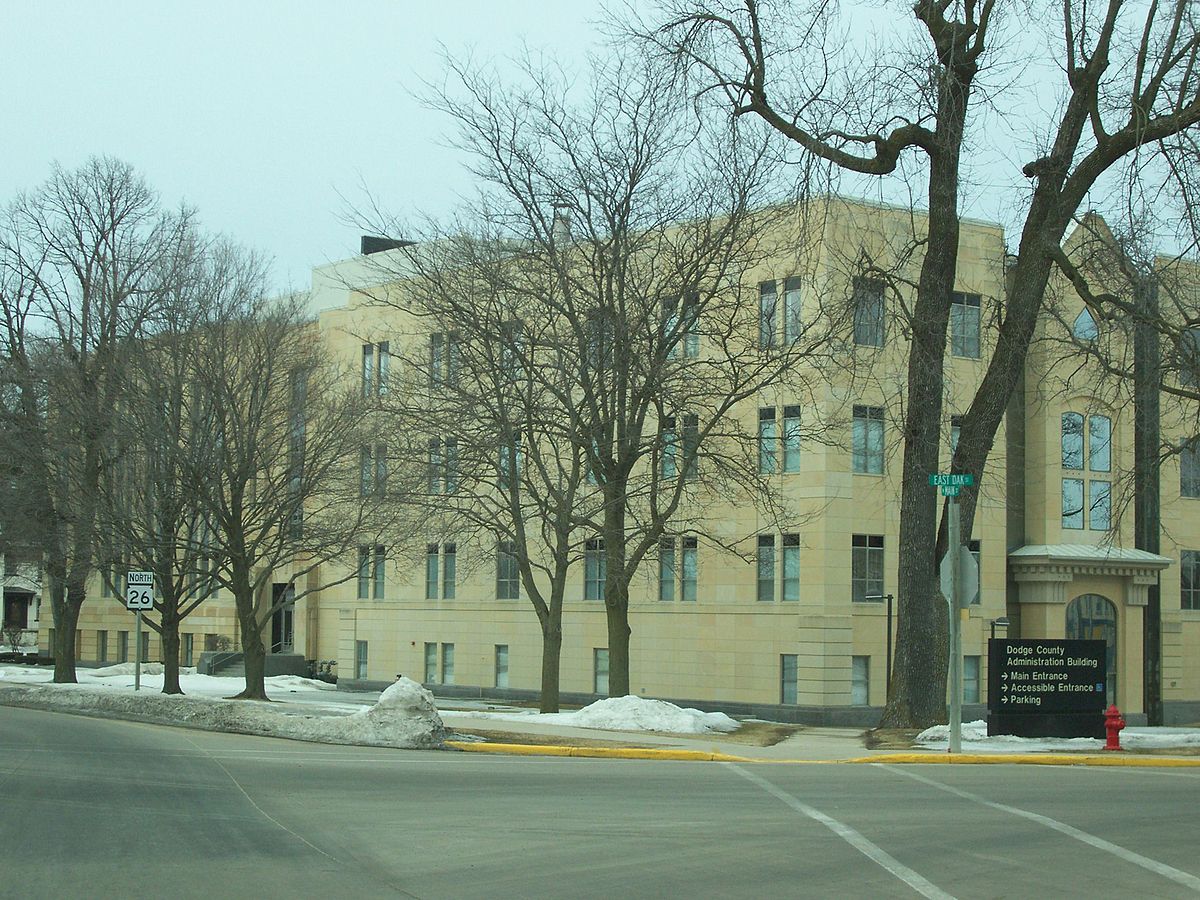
column 282, row 618
column 1091, row 617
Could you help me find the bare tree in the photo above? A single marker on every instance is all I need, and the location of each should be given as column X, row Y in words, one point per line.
column 279, row 485
column 86, row 261
column 1130, row 82
column 613, row 237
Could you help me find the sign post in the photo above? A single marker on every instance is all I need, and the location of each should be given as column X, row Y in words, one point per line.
column 139, row 595
column 951, row 484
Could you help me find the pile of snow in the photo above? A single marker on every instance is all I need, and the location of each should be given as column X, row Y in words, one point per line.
column 627, row 713
column 405, row 715
column 975, row 739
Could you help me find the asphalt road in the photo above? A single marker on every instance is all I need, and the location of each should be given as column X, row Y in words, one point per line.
column 97, row 808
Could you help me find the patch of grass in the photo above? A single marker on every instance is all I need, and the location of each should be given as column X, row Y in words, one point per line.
column 558, row 740
column 759, row 734
column 890, row 738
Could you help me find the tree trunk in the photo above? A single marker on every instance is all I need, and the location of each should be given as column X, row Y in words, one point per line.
column 254, row 652
column 551, row 654
column 917, row 695
column 616, row 599
column 66, row 622
column 170, row 653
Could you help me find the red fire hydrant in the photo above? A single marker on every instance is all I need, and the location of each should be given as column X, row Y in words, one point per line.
column 1113, row 723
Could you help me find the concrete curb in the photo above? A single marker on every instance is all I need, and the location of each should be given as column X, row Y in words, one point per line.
column 1033, row 759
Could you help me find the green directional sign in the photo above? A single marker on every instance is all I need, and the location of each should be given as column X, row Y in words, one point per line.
column 951, row 479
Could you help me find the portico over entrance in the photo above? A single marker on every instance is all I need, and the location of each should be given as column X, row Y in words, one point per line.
column 1064, row 590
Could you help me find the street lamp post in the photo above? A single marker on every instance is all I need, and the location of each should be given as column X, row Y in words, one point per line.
column 888, row 658
column 1003, row 622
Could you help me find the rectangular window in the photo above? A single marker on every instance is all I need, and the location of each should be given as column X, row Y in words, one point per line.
column 122, row 645
column 449, row 570
column 970, row 679
column 360, row 659
column 364, row 573
column 433, row 467
column 379, row 570
column 766, row 568
column 447, row 664
column 964, row 325
column 791, row 439
column 1189, row 469
column 594, row 569
column 1099, row 443
column 666, row 569
column 453, row 358
column 767, row 438
column 688, row 577
column 1099, row 505
column 691, row 326
column 1189, row 579
column 866, row 566
column 368, row 365
column 1072, row 503
column 451, row 473
column 1189, row 358
column 102, row 647
column 867, row 448
column 508, row 571
column 789, row 669
column 508, row 464
column 600, row 671
column 791, row 567
column 145, row 646
column 1072, row 441
column 430, row 663
column 691, row 445
column 976, row 550
column 860, row 681
column 766, row 315
column 670, row 327
column 670, row 449
column 189, row 649
column 384, row 366
column 437, row 358
column 431, row 571
column 380, row 468
column 793, row 325
column 501, row 680
column 868, row 312
column 365, row 470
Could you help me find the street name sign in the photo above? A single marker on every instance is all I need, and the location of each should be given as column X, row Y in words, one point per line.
column 951, row 483
column 1047, row 688
column 139, row 590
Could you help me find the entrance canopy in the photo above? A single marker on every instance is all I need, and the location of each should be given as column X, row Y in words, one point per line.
column 1045, row 571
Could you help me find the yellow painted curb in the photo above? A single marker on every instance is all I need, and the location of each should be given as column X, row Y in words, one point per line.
column 1033, row 759
column 596, row 752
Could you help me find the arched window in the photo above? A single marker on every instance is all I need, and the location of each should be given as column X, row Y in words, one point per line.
column 1091, row 617
column 1085, row 328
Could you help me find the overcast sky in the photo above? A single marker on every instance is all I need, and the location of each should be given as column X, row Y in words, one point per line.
column 260, row 113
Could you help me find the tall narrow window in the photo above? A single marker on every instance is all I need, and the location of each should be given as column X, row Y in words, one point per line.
column 868, row 440
column 449, row 570
column 1189, row 469
column 122, row 645
column 670, row 327
column 368, row 364
column 767, row 310
column 866, row 566
column 433, row 467
column 868, row 312
column 451, row 474
column 594, row 569
column 1099, row 505
column 447, row 664
column 430, row 663
column 691, row 326
column 1189, row 579
column 379, row 570
column 964, row 325
column 431, row 571
column 453, row 357
column 791, row 439
column 970, row 679
column 670, row 449
column 1189, row 358
column 666, row 569
column 691, row 445
column 793, row 325
column 102, row 647
column 383, row 367
column 788, row 677
column 364, row 471
column 508, row 573
column 791, row 567
column 768, row 436
column 437, row 358
column 509, row 464
column 360, row 660
column 1072, row 441
column 1072, row 503
column 380, row 468
column 689, row 573
column 1099, row 443
column 501, row 665
column 600, row 670
column 860, row 680
column 364, row 573
column 766, row 568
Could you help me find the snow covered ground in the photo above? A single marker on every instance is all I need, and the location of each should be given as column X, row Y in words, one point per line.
column 627, row 713
column 975, row 740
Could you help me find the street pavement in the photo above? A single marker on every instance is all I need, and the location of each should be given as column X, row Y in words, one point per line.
column 103, row 808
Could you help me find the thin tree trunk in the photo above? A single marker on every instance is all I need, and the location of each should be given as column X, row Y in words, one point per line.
column 551, row 654
column 616, row 599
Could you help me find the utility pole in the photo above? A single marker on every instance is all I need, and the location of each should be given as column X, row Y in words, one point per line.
column 1147, row 526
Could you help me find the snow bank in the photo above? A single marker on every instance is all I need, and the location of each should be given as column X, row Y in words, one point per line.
column 975, row 738
column 627, row 713
column 408, row 719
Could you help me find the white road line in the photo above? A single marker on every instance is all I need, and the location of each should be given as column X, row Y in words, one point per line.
column 1152, row 865
column 872, row 851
